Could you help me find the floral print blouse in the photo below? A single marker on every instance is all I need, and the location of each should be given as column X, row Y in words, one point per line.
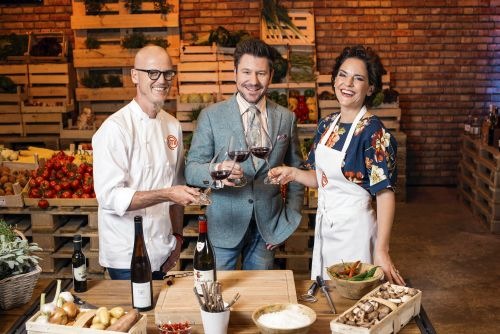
column 371, row 157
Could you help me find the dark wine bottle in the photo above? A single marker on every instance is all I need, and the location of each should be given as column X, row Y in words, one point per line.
column 204, row 258
column 78, row 262
column 140, row 271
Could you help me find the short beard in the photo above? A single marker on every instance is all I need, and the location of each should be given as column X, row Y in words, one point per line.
column 157, row 106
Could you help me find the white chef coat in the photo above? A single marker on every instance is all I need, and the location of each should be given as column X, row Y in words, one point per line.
column 133, row 152
column 346, row 225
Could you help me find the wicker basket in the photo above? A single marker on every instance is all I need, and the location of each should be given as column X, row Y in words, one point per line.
column 17, row 290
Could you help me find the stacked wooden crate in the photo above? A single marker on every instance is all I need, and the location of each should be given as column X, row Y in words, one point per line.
column 205, row 75
column 109, row 28
column 479, row 180
column 11, row 120
column 50, row 98
column 53, row 231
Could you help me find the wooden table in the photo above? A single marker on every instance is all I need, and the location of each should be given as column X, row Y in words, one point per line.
column 117, row 293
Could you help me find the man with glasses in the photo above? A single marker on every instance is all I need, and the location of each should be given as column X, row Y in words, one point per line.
column 139, row 171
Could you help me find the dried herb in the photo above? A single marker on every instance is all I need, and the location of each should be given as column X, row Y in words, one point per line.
column 277, row 16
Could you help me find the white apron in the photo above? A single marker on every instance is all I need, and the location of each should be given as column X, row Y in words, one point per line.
column 346, row 225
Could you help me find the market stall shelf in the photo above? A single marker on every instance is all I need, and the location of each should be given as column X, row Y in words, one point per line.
column 479, row 180
column 105, row 47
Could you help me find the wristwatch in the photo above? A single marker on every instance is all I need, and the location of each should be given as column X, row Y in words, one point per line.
column 179, row 237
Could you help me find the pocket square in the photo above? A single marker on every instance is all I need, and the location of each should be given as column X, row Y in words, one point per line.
column 282, row 137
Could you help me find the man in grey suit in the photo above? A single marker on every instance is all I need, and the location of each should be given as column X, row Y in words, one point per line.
column 251, row 220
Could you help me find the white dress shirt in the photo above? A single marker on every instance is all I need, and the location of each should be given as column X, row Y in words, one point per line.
column 133, row 152
column 243, row 105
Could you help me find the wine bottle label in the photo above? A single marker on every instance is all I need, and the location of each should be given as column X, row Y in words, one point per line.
column 201, row 276
column 80, row 273
column 200, row 246
column 142, row 294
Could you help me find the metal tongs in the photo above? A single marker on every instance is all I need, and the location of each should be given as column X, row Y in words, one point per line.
column 324, row 289
column 309, row 296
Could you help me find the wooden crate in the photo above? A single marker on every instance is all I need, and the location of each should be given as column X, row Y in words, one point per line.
column 116, row 15
column 392, row 323
column 17, row 73
column 36, row 37
column 10, row 114
column 34, row 327
column 50, row 85
column 50, row 264
column 43, row 123
column 194, row 53
column 303, row 20
column 198, row 77
column 111, row 53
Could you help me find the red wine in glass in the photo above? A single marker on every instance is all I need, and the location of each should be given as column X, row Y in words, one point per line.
column 261, row 152
column 239, row 156
column 220, row 174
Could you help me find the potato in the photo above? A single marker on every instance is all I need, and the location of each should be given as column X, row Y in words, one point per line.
column 98, row 326
column 103, row 315
column 117, row 312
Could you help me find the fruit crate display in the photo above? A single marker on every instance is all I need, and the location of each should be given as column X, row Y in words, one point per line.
column 103, row 65
column 479, row 180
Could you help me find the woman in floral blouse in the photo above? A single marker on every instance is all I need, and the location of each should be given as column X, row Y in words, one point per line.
column 352, row 160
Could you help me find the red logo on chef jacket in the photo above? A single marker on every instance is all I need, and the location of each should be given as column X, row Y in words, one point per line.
column 172, row 142
column 324, row 179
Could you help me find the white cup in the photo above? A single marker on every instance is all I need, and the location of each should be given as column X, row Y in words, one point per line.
column 215, row 322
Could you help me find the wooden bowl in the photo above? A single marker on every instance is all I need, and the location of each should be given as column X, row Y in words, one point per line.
column 291, row 309
column 355, row 289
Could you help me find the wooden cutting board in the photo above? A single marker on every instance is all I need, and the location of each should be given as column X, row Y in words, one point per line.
column 257, row 287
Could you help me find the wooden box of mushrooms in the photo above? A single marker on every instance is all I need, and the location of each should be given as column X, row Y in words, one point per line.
column 384, row 310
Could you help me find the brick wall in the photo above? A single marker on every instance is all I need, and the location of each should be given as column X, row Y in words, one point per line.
column 444, row 57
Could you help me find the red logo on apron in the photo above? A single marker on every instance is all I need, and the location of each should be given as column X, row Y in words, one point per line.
column 172, row 142
column 324, row 179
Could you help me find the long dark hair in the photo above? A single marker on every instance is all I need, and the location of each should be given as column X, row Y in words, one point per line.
column 373, row 65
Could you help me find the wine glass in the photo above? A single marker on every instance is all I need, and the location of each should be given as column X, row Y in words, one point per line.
column 261, row 146
column 238, row 150
column 220, row 167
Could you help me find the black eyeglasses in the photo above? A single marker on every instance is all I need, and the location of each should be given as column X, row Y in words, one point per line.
column 155, row 74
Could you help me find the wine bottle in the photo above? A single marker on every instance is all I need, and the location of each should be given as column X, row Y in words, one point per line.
column 140, row 271
column 204, row 258
column 78, row 262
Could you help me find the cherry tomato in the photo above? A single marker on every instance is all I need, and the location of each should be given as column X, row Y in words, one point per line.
column 75, row 184
column 43, row 203
column 66, row 194
column 35, row 193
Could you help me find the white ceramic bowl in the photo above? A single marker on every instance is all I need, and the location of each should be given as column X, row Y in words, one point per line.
column 284, row 315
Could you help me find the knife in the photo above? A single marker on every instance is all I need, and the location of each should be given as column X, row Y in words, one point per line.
column 324, row 289
column 82, row 303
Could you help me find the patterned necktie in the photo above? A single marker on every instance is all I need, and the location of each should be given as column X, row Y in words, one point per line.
column 253, row 130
